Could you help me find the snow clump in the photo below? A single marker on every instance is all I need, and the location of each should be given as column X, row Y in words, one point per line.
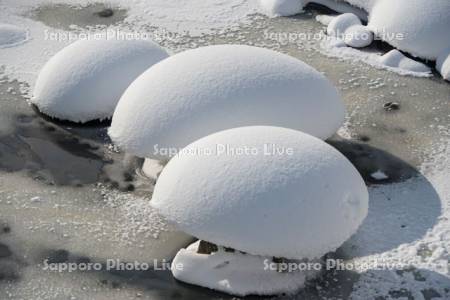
column 396, row 59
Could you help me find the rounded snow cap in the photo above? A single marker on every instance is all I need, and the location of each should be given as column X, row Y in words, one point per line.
column 267, row 191
column 341, row 23
column 419, row 27
column 198, row 92
column 277, row 8
column 85, row 80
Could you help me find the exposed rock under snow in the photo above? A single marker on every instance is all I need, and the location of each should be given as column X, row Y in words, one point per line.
column 84, row 81
column 285, row 182
column 201, row 91
column 11, row 35
column 396, row 59
column 236, row 273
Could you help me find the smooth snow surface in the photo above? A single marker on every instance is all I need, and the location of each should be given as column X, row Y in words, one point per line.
column 198, row 92
column 358, row 36
column 312, row 195
column 443, row 64
column 276, row 8
column 340, row 24
column 236, row 273
column 423, row 24
column 11, row 35
column 396, row 59
column 85, row 80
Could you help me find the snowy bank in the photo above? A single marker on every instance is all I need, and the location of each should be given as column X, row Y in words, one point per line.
column 201, row 91
column 85, row 80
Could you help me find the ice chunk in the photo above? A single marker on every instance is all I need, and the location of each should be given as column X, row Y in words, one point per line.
column 238, row 274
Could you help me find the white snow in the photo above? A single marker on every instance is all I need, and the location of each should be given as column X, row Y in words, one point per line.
column 276, row 8
column 236, row 273
column 443, row 64
column 11, row 35
column 358, row 36
column 152, row 168
column 379, row 175
column 423, row 25
column 396, row 59
column 205, row 90
column 288, row 195
column 341, row 23
column 85, row 80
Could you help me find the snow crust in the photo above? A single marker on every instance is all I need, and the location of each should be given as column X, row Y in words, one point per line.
column 423, row 24
column 396, row 59
column 11, row 35
column 85, row 80
column 236, row 273
column 298, row 205
column 205, row 90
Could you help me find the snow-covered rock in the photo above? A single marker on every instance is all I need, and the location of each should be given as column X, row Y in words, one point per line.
column 238, row 274
column 85, row 80
column 358, row 36
column 341, row 23
column 396, row 59
column 443, row 64
column 152, row 168
column 419, row 27
column 198, row 92
column 11, row 35
column 268, row 191
column 276, row 8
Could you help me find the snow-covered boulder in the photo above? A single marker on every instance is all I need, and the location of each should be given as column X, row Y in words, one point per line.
column 268, row 191
column 240, row 274
column 341, row 23
column 11, row 35
column 443, row 64
column 419, row 27
column 85, row 80
column 396, row 59
column 276, row 8
column 358, row 36
column 198, row 92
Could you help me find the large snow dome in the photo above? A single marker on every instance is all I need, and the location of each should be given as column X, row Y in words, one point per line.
column 205, row 90
column 424, row 25
column 267, row 191
column 85, row 80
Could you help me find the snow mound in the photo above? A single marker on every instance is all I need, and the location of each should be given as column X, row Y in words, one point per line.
column 253, row 183
column 277, row 8
column 198, row 92
column 358, row 36
column 443, row 65
column 423, row 25
column 396, row 59
column 236, row 273
column 84, row 81
column 11, row 36
column 341, row 23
